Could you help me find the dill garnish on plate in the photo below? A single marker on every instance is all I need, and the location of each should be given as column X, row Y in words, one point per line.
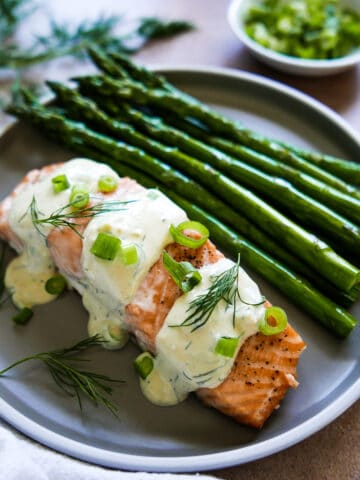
column 67, row 372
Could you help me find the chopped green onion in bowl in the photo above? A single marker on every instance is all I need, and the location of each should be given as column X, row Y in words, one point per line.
column 307, row 29
column 273, row 50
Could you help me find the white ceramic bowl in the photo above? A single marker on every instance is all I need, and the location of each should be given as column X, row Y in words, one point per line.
column 297, row 66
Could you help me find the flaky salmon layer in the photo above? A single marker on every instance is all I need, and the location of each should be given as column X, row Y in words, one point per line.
column 265, row 366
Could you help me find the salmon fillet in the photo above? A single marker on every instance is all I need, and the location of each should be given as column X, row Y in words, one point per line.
column 265, row 366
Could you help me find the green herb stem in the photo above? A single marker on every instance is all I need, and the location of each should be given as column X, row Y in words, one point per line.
column 64, row 39
column 66, row 217
column 71, row 379
column 224, row 287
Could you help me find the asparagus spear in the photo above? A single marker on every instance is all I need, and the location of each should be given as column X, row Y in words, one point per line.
column 119, row 66
column 330, row 315
column 344, row 169
column 301, row 206
column 103, row 60
column 347, row 205
column 333, row 267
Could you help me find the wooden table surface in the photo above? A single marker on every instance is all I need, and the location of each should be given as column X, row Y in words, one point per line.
column 332, row 453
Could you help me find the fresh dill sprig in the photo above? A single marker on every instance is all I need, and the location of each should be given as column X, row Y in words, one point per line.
column 225, row 286
column 71, row 378
column 64, row 39
column 67, row 217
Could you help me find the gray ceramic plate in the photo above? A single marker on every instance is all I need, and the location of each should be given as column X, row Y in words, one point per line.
column 188, row 437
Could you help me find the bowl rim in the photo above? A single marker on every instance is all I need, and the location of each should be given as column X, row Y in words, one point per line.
column 233, row 14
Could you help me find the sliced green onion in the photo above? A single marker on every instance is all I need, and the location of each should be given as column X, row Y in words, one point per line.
column 129, row 254
column 227, row 346
column 182, row 239
column 23, row 316
column 185, row 275
column 55, row 285
column 79, row 196
column 144, row 365
column 60, row 183
column 107, row 184
column 119, row 336
column 106, row 246
column 274, row 321
column 310, row 29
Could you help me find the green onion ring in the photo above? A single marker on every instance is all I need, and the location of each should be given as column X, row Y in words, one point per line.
column 144, row 365
column 79, row 196
column 182, row 239
column 273, row 315
column 55, row 285
column 107, row 184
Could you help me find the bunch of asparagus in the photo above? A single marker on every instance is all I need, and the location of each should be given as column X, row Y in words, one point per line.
column 282, row 208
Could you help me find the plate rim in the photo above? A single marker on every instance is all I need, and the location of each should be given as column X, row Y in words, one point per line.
column 233, row 456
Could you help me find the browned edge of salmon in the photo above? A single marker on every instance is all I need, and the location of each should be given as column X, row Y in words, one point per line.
column 264, row 369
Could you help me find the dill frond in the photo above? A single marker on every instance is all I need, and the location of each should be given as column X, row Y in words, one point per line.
column 224, row 287
column 65, row 370
column 66, row 216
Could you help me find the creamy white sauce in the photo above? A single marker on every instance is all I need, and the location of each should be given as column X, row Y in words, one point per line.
column 145, row 223
column 105, row 320
column 186, row 360
column 27, row 274
column 28, row 286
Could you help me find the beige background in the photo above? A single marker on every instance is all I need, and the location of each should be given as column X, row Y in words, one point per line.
column 332, row 453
